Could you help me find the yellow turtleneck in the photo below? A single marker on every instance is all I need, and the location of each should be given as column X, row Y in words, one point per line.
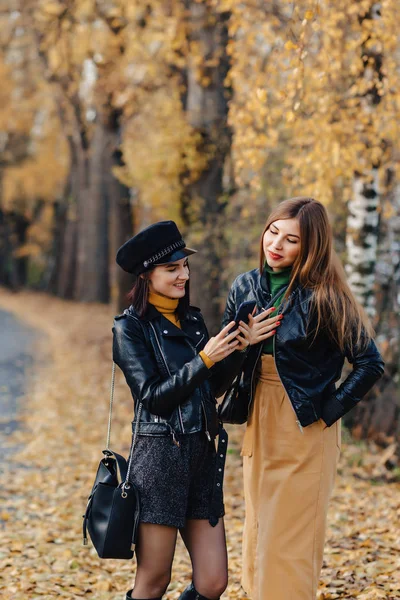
column 167, row 307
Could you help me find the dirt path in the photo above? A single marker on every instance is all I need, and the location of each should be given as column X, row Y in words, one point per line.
column 17, row 342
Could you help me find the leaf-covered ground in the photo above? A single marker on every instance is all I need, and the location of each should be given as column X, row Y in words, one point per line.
column 63, row 428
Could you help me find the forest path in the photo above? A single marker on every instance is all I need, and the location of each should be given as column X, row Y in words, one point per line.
column 17, row 350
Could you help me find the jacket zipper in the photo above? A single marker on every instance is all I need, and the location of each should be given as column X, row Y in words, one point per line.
column 169, row 373
column 176, row 442
column 200, row 340
column 208, row 436
column 276, row 366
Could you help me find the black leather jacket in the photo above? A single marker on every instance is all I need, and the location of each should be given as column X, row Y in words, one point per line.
column 308, row 368
column 162, row 362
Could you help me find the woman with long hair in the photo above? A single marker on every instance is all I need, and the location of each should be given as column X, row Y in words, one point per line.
column 175, row 372
column 295, row 358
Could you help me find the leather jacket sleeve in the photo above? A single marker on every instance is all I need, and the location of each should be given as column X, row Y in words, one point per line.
column 229, row 315
column 139, row 365
column 227, row 371
column 230, row 308
column 223, row 373
column 368, row 367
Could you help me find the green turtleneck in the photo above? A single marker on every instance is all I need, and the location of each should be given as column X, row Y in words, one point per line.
column 276, row 280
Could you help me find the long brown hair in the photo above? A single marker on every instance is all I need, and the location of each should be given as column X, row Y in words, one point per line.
column 139, row 296
column 318, row 268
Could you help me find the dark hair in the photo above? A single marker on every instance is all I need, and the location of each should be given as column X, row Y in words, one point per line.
column 139, row 296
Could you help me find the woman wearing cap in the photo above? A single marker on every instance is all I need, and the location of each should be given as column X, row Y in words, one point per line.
column 296, row 354
column 175, row 372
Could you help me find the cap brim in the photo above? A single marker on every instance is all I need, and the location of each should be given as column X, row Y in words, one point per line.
column 183, row 253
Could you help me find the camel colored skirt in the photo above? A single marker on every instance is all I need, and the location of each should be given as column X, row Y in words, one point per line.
column 288, row 480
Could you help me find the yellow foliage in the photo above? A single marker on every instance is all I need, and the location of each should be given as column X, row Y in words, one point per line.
column 158, row 147
column 52, row 8
column 43, row 175
column 302, row 78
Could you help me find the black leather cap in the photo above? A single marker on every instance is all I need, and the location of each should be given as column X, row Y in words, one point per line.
column 158, row 244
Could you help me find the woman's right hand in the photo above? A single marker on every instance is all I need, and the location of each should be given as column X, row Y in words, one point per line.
column 261, row 327
column 223, row 344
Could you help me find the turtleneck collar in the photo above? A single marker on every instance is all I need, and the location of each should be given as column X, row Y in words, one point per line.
column 282, row 275
column 166, row 306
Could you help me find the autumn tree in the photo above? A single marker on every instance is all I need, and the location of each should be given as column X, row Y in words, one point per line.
column 30, row 141
column 205, row 102
column 67, row 38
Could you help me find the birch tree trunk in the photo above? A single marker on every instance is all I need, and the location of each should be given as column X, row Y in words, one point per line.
column 363, row 220
column 203, row 204
column 378, row 416
column 362, row 239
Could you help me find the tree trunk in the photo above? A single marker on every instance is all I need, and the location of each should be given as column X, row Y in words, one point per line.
column 92, row 281
column 66, row 263
column 377, row 417
column 121, row 222
column 362, row 239
column 52, row 274
column 93, row 220
column 13, row 269
column 363, row 220
column 203, row 204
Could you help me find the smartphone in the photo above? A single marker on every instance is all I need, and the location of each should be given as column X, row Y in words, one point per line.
column 242, row 313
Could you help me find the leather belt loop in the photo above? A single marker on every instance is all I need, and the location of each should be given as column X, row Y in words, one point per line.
column 217, row 492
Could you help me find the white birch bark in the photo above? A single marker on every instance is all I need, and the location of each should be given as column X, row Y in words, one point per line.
column 378, row 417
column 388, row 277
column 362, row 239
column 363, row 216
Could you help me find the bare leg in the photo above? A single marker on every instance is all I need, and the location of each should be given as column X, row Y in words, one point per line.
column 154, row 554
column 207, row 549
